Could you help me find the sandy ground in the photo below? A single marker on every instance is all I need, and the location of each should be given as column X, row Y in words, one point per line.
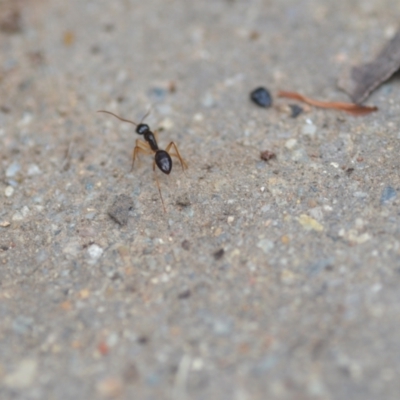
column 263, row 280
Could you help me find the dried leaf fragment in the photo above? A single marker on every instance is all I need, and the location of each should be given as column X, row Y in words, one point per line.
column 119, row 210
column 361, row 80
column 354, row 109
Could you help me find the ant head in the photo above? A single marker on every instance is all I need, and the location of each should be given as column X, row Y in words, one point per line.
column 142, row 129
column 163, row 161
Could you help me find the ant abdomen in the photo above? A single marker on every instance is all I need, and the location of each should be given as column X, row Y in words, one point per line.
column 163, row 161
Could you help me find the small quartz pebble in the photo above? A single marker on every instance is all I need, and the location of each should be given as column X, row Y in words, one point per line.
column 208, row 101
column 34, row 170
column 388, row 194
column 261, row 97
column 12, row 170
column 309, row 223
column 309, row 130
column 119, row 211
column 20, row 215
column 290, row 144
column 266, row 245
column 9, row 191
column 23, row 376
column 95, row 252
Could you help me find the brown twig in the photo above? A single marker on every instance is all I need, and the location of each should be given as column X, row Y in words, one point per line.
column 354, row 109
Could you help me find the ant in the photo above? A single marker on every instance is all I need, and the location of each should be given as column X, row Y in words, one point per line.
column 162, row 158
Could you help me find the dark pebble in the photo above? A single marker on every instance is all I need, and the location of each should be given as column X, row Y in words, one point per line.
column 131, row 373
column 349, row 171
column 219, row 254
column 295, row 110
column 184, row 295
column 388, row 194
column 186, row 244
column 119, row 211
column 267, row 155
column 143, row 339
column 261, row 97
column 11, row 21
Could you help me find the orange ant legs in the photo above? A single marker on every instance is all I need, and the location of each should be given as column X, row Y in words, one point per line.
column 177, row 155
column 158, row 186
column 141, row 147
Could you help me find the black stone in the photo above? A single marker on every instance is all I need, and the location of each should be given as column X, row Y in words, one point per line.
column 261, row 97
column 295, row 110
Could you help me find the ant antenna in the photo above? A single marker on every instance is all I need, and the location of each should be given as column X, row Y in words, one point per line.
column 122, row 119
column 145, row 116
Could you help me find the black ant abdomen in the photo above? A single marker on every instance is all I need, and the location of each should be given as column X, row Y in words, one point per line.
column 163, row 161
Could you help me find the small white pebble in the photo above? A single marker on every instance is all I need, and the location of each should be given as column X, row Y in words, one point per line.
column 309, row 130
column 95, row 251
column 335, row 165
column 25, row 120
column 12, row 170
column 34, row 170
column 23, row 375
column 359, row 223
column 112, row 339
column 164, row 278
column 230, row 219
column 360, row 195
column 9, row 191
column 266, row 245
column 262, row 188
column 376, row 288
column 167, row 124
column 197, row 364
column 291, row 143
column 198, row 117
column 17, row 216
column 25, row 211
column 208, row 100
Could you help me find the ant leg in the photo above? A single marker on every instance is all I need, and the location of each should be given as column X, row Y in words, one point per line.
column 158, row 185
column 177, row 154
column 141, row 147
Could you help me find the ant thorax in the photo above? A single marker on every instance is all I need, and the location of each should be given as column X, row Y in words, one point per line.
column 151, row 140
